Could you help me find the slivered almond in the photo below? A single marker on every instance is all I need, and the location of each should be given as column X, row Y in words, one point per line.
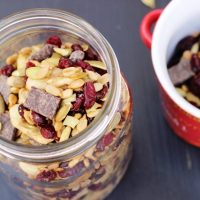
column 12, row 59
column 104, row 79
column 67, row 93
column 71, row 71
column 63, row 52
column 23, row 93
column 53, row 90
column 70, row 99
column 97, row 64
column 37, row 72
column 15, row 81
column 25, row 51
column 98, row 86
column 71, row 121
column 21, row 64
column 60, row 81
column 62, row 112
column 14, row 90
column 12, row 100
column 77, row 84
column 2, row 105
column 85, row 47
column 65, row 134
column 58, row 126
column 93, row 75
column 82, row 124
column 40, row 84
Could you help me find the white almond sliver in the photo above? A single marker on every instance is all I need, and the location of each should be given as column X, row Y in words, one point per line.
column 60, row 81
column 62, row 112
column 149, row 3
column 82, row 124
column 71, row 71
column 65, row 134
column 93, row 113
column 53, row 90
column 37, row 72
column 71, row 121
column 96, row 63
column 67, row 93
column 98, row 86
column 40, row 84
column 63, row 52
column 104, row 79
column 94, row 107
column 77, row 84
column 21, row 63
column 70, row 99
column 93, row 75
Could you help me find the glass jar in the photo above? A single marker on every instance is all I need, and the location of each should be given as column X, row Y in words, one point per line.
column 87, row 166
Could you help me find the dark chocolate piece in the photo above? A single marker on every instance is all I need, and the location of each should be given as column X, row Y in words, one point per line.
column 45, row 52
column 181, row 72
column 4, row 88
column 7, row 131
column 42, row 102
column 77, row 55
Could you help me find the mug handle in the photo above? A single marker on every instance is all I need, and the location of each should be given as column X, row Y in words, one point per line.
column 145, row 28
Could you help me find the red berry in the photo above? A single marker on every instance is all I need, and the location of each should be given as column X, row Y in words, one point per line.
column 30, row 64
column 55, row 40
column 46, row 176
column 7, row 70
column 48, row 131
column 105, row 141
column 84, row 65
column 90, row 95
column 102, row 93
column 64, row 63
column 90, row 54
column 76, row 47
column 38, row 119
column 78, row 103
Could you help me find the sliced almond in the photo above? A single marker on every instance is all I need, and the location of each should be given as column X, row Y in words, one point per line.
column 97, row 64
column 71, row 121
column 98, row 86
column 76, row 84
column 63, row 52
column 53, row 90
column 60, row 81
column 12, row 59
column 36, row 73
column 82, row 124
column 62, row 112
column 15, row 81
column 2, row 105
column 67, row 93
column 65, row 134
column 40, row 84
column 104, row 79
column 93, row 75
column 21, row 64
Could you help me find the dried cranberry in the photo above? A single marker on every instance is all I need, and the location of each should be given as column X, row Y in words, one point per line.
column 71, row 171
column 21, row 109
column 63, row 164
column 46, row 176
column 100, row 71
column 7, row 70
column 84, row 65
column 105, row 141
column 78, row 103
column 195, row 63
column 76, row 47
column 55, row 40
column 91, row 55
column 194, row 85
column 90, row 95
column 38, row 119
column 185, row 44
column 30, row 64
column 64, row 63
column 66, row 193
column 48, row 131
column 102, row 93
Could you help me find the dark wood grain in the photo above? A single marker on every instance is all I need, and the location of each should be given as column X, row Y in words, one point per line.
column 163, row 167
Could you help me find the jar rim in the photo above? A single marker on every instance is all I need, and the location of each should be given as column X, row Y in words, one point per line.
column 89, row 136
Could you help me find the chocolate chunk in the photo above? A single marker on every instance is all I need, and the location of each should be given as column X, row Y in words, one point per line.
column 7, row 131
column 45, row 52
column 4, row 88
column 181, row 72
column 77, row 55
column 42, row 102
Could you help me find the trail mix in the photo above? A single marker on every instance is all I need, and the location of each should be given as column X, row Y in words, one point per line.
column 51, row 92
column 184, row 68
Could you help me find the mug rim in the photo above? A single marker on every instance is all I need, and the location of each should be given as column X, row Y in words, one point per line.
column 165, row 80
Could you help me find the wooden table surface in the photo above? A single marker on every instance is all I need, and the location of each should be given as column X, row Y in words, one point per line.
column 163, row 166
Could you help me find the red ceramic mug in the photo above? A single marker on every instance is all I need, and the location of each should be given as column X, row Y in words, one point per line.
column 179, row 19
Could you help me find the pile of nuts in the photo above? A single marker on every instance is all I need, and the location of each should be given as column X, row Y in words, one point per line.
column 51, row 92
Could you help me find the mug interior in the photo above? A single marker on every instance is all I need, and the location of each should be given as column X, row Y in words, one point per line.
column 179, row 19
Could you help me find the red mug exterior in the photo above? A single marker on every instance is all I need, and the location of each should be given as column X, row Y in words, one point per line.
column 185, row 125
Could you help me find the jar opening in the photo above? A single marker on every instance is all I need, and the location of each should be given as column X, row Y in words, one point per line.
column 26, row 27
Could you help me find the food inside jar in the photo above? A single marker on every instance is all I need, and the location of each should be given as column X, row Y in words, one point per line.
column 184, row 68
column 51, row 92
